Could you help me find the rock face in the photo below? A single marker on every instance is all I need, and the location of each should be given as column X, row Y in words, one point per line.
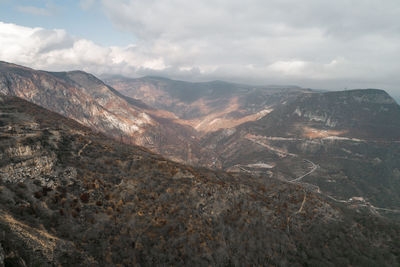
column 84, row 98
column 364, row 114
column 97, row 202
column 206, row 106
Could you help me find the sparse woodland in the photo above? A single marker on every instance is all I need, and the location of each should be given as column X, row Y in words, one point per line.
column 96, row 202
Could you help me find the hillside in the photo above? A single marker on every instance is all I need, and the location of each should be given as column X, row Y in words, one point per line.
column 73, row 197
column 349, row 139
column 86, row 99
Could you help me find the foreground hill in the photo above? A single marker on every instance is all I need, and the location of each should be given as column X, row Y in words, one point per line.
column 207, row 106
column 72, row 197
column 86, row 99
column 350, row 141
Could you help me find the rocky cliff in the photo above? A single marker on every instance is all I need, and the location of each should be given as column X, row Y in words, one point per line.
column 365, row 114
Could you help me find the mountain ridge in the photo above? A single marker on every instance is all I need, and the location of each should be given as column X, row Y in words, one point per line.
column 155, row 77
column 85, row 98
column 206, row 106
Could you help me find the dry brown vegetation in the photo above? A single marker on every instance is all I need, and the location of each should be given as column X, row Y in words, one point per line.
column 115, row 204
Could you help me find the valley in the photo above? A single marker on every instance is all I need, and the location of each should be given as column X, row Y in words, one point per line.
column 350, row 135
column 86, row 99
column 199, row 133
column 155, row 170
column 72, row 196
column 277, row 131
column 207, row 106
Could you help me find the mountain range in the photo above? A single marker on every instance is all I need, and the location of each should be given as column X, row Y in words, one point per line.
column 73, row 197
column 153, row 171
column 351, row 136
column 206, row 106
column 86, row 99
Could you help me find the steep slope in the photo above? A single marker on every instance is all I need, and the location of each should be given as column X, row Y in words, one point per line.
column 206, row 106
column 84, row 98
column 350, row 140
column 72, row 197
column 365, row 114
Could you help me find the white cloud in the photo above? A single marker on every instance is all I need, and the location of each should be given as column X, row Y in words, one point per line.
column 56, row 50
column 294, row 67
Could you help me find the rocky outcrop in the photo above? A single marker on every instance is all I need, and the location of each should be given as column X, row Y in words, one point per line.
column 365, row 114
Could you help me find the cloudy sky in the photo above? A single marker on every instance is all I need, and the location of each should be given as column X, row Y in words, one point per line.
column 312, row 43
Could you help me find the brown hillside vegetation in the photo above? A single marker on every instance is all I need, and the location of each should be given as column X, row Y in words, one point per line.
column 71, row 197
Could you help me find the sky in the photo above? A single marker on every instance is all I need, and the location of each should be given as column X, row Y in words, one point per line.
column 332, row 45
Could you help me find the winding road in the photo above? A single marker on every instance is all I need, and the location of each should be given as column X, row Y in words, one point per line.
column 314, row 167
column 297, row 180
